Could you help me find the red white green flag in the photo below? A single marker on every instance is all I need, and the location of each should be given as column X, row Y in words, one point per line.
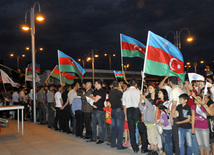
column 65, row 77
column 163, row 58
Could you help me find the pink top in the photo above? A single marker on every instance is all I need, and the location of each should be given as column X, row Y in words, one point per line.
column 200, row 121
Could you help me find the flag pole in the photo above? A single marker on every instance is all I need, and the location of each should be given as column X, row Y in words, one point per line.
column 114, row 74
column 144, row 66
column 50, row 75
column 59, row 71
column 121, row 52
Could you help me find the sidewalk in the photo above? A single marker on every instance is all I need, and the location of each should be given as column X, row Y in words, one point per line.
column 39, row 140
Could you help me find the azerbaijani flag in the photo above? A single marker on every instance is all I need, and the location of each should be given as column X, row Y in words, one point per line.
column 163, row 58
column 67, row 64
column 118, row 74
column 30, row 69
column 65, row 77
column 131, row 47
column 0, row 79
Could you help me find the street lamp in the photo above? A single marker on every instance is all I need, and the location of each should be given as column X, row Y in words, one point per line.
column 83, row 62
column 32, row 28
column 92, row 61
column 177, row 34
column 126, row 66
column 17, row 58
column 109, row 57
column 201, row 61
column 188, row 65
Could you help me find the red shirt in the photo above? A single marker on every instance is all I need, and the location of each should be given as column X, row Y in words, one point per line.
column 108, row 115
column 191, row 99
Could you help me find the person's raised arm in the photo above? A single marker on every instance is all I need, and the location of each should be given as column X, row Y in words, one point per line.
column 161, row 85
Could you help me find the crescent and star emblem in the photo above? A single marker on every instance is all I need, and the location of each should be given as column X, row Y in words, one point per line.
column 170, row 64
column 138, row 48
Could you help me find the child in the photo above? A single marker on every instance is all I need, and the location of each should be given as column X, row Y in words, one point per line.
column 183, row 112
column 167, row 130
column 107, row 109
column 127, row 135
column 149, row 118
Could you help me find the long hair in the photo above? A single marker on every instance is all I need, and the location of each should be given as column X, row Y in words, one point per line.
column 165, row 94
column 162, row 107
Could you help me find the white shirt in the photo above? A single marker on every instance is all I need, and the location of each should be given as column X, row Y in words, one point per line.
column 22, row 95
column 168, row 89
column 15, row 97
column 131, row 97
column 71, row 95
column 174, row 95
column 57, row 97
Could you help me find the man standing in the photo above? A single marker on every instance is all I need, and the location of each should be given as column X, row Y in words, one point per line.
column 98, row 115
column 72, row 94
column 15, row 98
column 174, row 98
column 131, row 99
column 59, row 103
column 41, row 103
column 117, row 116
column 23, row 101
column 51, row 106
column 87, row 110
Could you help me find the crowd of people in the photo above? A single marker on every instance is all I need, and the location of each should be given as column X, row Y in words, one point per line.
column 162, row 118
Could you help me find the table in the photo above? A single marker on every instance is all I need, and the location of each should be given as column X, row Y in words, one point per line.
column 15, row 107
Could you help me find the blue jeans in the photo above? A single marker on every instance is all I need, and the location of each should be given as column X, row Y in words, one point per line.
column 118, row 118
column 185, row 134
column 167, row 142
column 195, row 149
column 98, row 117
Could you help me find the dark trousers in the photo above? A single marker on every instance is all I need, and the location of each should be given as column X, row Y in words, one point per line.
column 118, row 118
column 16, row 103
column 7, row 112
column 51, row 108
column 57, row 118
column 64, row 119
column 73, row 122
column 98, row 117
column 79, row 122
column 175, row 136
column 87, row 123
column 42, row 114
column 133, row 116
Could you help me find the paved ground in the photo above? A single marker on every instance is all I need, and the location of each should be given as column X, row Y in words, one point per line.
column 38, row 139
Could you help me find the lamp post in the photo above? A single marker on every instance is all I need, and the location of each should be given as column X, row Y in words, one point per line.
column 17, row 58
column 177, row 38
column 83, row 62
column 188, row 65
column 126, row 66
column 92, row 62
column 110, row 57
column 32, row 30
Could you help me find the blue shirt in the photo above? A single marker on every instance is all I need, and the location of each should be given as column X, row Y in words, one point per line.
column 76, row 104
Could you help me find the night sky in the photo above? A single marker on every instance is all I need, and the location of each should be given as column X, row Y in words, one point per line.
column 78, row 26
